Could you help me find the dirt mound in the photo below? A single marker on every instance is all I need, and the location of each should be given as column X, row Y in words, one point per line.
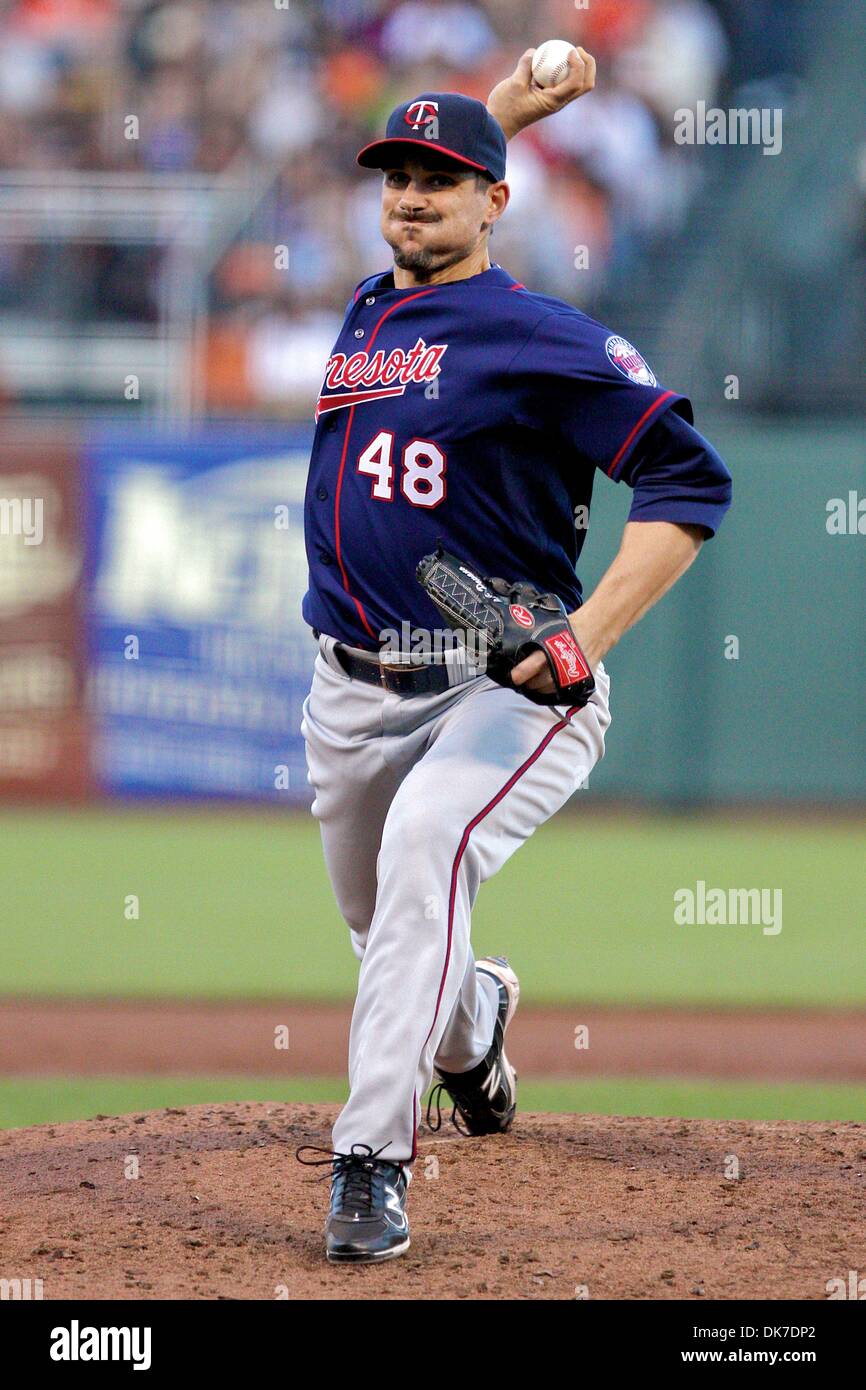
column 209, row 1202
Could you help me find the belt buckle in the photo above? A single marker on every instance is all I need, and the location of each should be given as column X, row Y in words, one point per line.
column 397, row 668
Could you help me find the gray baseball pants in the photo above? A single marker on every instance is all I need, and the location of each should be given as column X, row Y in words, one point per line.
column 419, row 800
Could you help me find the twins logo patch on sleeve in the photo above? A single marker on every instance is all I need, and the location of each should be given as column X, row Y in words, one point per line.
column 626, row 358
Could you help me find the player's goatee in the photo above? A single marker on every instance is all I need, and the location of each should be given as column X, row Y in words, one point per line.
column 421, row 260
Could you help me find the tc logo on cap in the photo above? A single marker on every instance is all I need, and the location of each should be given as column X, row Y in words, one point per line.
column 421, row 113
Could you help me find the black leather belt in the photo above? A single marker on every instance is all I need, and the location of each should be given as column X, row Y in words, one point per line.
column 399, row 679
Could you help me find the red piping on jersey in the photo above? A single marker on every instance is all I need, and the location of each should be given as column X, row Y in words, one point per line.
column 339, row 488
column 408, row 300
column 455, row 867
column 517, row 286
column 666, row 395
column 361, row 614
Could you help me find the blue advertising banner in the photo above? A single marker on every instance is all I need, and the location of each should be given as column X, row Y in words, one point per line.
column 199, row 658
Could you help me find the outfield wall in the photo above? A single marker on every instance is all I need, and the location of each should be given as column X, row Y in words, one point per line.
column 151, row 641
column 779, row 712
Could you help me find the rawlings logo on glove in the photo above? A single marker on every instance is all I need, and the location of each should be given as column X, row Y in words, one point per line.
column 507, row 622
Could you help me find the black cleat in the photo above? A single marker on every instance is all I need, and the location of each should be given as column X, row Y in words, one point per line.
column 367, row 1221
column 485, row 1098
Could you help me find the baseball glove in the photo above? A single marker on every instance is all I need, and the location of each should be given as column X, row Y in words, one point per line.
column 505, row 622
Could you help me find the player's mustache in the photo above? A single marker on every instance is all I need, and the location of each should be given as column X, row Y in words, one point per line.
column 402, row 217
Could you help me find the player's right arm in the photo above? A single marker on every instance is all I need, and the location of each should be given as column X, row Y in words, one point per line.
column 517, row 101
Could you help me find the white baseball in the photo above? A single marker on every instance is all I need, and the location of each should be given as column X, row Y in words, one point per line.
column 550, row 62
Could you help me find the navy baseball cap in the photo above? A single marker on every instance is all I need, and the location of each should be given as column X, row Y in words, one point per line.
column 457, row 126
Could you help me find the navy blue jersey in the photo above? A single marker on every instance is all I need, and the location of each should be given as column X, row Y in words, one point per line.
column 478, row 413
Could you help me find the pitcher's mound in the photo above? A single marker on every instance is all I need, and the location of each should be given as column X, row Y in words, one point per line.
column 209, row 1202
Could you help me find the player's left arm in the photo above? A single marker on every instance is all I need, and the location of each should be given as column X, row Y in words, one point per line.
column 682, row 490
column 652, row 556
column 517, row 101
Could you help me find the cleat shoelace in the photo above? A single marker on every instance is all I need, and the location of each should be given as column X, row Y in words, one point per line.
column 462, row 1106
column 357, row 1180
column 463, row 1101
column 435, row 1098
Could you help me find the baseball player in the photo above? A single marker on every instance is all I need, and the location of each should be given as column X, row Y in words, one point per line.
column 461, row 425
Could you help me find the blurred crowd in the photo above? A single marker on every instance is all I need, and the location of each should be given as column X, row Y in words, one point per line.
column 295, row 87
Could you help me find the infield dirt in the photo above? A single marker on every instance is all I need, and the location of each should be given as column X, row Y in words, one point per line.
column 173, row 1037
column 563, row 1207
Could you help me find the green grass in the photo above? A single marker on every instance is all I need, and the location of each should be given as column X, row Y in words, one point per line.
column 53, row 1100
column 698, row 1100
column 57, row 1099
column 236, row 905
column 239, row 905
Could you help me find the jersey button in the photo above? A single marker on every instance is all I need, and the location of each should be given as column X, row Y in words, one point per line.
column 325, row 558
column 322, row 494
column 332, row 424
column 359, row 332
column 371, row 299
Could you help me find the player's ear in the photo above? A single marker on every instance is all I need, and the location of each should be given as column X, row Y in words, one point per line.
column 498, row 195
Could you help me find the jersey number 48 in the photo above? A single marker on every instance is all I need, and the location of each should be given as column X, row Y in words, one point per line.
column 422, row 470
